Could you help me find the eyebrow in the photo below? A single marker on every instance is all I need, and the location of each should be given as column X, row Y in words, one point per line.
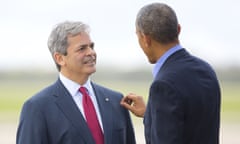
column 84, row 45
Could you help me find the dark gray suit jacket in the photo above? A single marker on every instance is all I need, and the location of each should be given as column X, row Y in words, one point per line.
column 52, row 117
column 184, row 103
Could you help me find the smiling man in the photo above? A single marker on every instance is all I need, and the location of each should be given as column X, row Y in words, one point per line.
column 74, row 110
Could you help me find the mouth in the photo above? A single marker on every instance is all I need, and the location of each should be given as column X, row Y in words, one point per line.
column 90, row 61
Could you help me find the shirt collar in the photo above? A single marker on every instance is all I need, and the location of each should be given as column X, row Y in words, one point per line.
column 163, row 58
column 72, row 86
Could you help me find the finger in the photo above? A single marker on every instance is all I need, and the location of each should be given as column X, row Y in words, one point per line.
column 129, row 101
column 123, row 99
column 126, row 105
column 131, row 96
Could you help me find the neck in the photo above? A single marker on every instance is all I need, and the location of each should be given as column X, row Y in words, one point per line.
column 160, row 49
column 78, row 78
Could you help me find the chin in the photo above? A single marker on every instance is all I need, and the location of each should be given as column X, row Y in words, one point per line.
column 92, row 71
column 151, row 61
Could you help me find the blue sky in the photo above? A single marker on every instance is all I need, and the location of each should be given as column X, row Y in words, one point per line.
column 210, row 30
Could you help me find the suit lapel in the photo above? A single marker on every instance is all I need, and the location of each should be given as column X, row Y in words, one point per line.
column 106, row 111
column 69, row 108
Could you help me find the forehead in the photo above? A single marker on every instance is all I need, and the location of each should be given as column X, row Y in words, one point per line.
column 80, row 37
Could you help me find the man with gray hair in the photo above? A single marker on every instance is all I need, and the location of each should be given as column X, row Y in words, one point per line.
column 184, row 98
column 74, row 110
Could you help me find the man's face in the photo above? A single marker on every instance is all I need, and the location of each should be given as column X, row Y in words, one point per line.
column 81, row 56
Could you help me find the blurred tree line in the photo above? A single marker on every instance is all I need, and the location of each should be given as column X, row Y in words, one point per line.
column 107, row 74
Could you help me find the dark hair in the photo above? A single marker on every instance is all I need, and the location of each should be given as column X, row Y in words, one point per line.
column 159, row 21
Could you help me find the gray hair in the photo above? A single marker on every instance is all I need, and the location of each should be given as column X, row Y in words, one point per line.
column 159, row 21
column 58, row 39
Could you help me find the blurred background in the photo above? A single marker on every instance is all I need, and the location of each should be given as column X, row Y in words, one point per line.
column 210, row 31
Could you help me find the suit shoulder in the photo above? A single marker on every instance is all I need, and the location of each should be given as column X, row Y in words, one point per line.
column 42, row 96
column 107, row 90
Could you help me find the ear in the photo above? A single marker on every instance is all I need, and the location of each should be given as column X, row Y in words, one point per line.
column 59, row 58
column 179, row 29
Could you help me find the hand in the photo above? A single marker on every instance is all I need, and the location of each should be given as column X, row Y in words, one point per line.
column 135, row 104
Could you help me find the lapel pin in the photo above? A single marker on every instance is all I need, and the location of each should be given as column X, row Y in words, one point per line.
column 106, row 99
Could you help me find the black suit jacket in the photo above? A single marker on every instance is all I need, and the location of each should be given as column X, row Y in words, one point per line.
column 184, row 103
column 52, row 117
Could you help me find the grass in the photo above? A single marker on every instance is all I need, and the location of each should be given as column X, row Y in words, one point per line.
column 230, row 102
column 13, row 95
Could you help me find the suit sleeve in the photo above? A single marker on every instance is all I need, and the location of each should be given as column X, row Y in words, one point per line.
column 32, row 128
column 166, row 113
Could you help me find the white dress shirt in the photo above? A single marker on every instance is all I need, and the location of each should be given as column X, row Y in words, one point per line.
column 73, row 89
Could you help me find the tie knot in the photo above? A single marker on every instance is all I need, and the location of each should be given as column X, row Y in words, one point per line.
column 83, row 90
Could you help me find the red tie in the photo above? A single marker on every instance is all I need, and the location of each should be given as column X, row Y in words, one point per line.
column 91, row 117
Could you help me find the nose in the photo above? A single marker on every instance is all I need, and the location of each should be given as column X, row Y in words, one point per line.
column 90, row 51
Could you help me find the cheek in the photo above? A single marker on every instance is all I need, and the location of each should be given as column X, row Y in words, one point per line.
column 145, row 50
column 139, row 42
column 95, row 54
column 149, row 55
column 141, row 45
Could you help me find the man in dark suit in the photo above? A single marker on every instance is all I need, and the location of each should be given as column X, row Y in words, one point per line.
column 184, row 99
column 59, row 114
